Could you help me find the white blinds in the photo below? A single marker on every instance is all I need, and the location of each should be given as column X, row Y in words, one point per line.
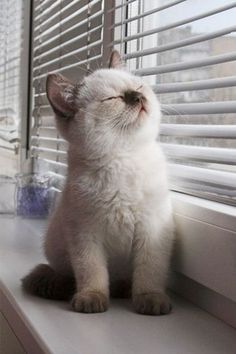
column 10, row 53
column 67, row 38
column 186, row 49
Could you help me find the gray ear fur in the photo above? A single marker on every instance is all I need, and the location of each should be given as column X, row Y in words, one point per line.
column 115, row 61
column 60, row 93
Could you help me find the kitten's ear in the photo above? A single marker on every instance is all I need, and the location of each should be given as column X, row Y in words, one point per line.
column 60, row 93
column 115, row 61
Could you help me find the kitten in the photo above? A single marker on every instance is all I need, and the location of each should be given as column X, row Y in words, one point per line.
column 113, row 230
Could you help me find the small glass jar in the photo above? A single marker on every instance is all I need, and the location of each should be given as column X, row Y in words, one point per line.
column 32, row 195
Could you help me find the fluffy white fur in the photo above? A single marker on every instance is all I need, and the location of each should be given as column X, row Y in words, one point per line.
column 114, row 221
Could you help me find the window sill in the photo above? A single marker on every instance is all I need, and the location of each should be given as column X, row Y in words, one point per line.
column 205, row 254
column 50, row 327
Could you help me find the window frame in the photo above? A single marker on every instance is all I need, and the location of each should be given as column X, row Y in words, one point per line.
column 214, row 215
column 186, row 207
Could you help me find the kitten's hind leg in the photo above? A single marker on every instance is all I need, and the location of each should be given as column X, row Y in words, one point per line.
column 44, row 282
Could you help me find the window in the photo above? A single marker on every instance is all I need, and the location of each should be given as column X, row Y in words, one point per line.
column 185, row 49
column 10, row 54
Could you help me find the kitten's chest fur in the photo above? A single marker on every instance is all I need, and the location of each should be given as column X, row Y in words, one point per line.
column 113, row 192
column 115, row 195
column 110, row 193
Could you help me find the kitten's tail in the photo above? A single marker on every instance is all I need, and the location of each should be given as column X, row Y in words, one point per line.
column 44, row 282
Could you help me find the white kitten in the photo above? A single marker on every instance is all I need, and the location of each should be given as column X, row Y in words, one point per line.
column 113, row 226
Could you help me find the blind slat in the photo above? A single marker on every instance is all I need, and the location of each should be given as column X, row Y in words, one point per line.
column 200, row 108
column 204, row 175
column 186, row 65
column 52, row 151
column 205, row 191
column 43, row 138
column 55, row 149
column 200, row 131
column 196, row 85
column 209, row 154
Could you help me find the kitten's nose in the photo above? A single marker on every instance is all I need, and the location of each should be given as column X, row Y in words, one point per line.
column 133, row 97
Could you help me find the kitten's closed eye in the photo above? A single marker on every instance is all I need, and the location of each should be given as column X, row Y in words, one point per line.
column 120, row 96
column 111, row 98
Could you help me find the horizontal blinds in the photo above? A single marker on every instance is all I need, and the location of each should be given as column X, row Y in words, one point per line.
column 186, row 50
column 11, row 15
column 172, row 24
column 67, row 38
column 178, row 44
column 10, row 50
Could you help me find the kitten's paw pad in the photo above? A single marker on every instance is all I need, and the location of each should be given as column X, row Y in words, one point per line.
column 152, row 304
column 90, row 302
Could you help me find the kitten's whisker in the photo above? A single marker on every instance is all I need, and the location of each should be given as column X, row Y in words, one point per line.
column 171, row 109
column 96, row 60
column 78, row 58
column 175, row 112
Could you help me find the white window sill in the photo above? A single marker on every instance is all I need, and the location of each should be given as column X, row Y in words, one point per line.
column 205, row 254
column 50, row 327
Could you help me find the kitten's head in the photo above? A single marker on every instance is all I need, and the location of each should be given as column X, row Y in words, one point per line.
column 110, row 109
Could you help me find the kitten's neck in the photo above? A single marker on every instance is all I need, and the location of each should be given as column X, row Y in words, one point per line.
column 79, row 161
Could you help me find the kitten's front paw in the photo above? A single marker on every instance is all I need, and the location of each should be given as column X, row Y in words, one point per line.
column 90, row 302
column 152, row 304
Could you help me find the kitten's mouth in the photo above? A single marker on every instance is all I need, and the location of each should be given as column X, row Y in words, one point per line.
column 143, row 108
